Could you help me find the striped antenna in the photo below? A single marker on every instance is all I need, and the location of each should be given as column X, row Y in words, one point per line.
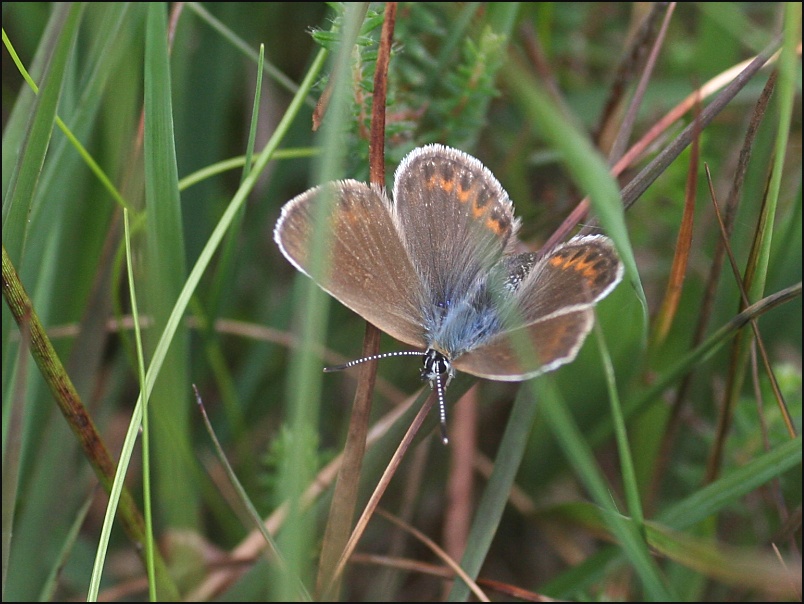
column 435, row 365
column 374, row 357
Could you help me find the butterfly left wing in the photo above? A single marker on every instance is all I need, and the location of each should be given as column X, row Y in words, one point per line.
column 369, row 269
column 552, row 302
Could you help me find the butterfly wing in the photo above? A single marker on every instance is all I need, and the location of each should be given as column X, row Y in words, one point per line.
column 554, row 340
column 456, row 220
column 552, row 300
column 369, row 269
column 580, row 272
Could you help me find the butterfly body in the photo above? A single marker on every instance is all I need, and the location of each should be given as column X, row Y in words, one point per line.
column 454, row 324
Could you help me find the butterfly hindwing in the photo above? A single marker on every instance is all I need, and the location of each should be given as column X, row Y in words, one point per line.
column 530, row 350
column 576, row 274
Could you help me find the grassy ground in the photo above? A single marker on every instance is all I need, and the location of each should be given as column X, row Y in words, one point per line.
column 138, row 261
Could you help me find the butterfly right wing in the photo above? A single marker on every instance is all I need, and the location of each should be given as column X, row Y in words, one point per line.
column 456, row 219
column 369, row 269
column 529, row 351
column 553, row 299
column 578, row 273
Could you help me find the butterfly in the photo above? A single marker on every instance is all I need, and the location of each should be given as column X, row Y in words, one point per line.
column 437, row 267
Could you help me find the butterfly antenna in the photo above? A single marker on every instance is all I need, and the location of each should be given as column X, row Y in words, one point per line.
column 374, row 357
column 439, row 386
column 442, row 409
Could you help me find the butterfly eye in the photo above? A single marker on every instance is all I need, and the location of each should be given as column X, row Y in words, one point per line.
column 434, row 364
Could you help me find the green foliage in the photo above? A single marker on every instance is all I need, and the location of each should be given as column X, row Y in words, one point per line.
column 440, row 81
column 271, row 462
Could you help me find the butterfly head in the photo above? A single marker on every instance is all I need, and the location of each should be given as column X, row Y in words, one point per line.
column 435, row 367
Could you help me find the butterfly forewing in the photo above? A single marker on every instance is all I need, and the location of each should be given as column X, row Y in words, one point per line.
column 369, row 269
column 455, row 217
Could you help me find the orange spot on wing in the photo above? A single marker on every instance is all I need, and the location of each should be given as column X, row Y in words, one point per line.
column 581, row 264
column 495, row 225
